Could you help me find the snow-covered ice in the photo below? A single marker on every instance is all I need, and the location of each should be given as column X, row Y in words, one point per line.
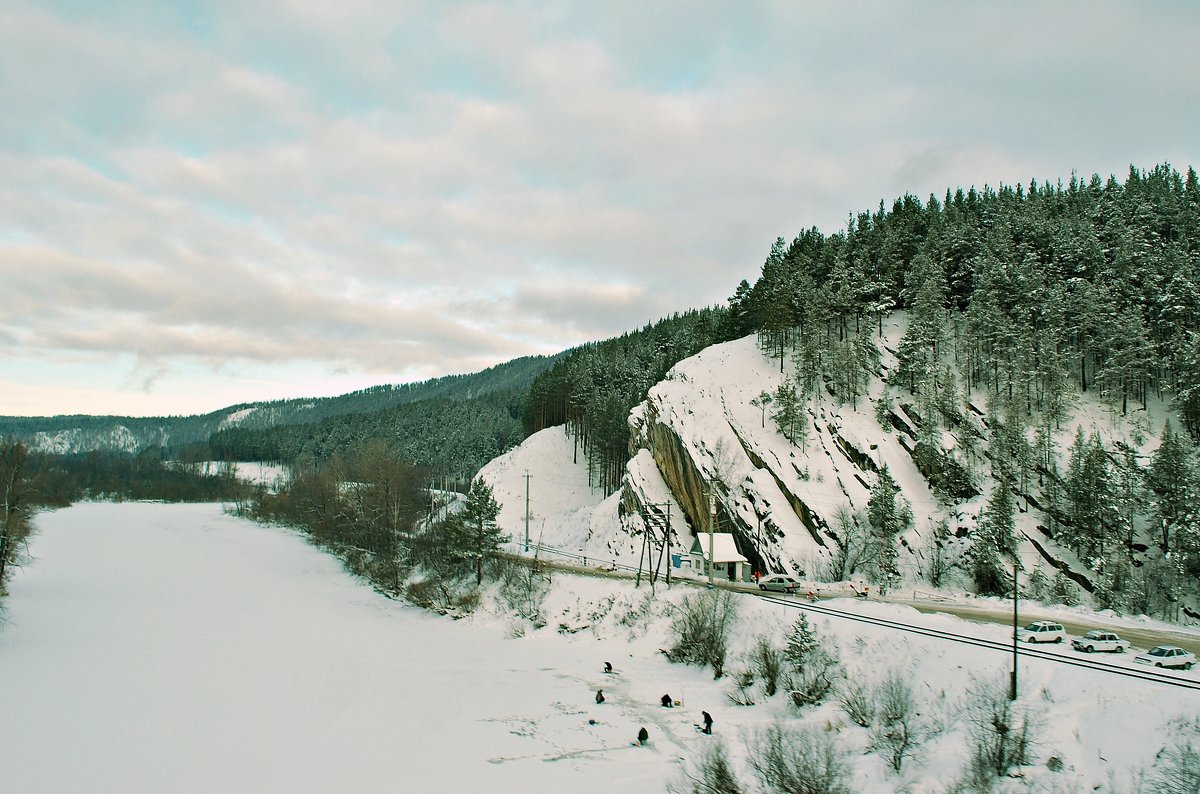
column 156, row 647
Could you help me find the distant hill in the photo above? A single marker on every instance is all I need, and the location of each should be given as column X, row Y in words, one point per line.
column 79, row 434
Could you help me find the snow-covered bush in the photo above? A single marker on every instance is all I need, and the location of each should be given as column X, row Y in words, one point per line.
column 1001, row 733
column 701, row 626
column 1177, row 769
column 522, row 589
column 813, row 682
column 799, row 759
column 712, row 775
column 857, row 700
column 741, row 692
column 896, row 731
column 767, row 660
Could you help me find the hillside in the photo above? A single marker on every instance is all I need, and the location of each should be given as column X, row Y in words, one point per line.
column 804, row 507
column 79, row 434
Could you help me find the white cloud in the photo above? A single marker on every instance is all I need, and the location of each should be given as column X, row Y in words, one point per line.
column 415, row 188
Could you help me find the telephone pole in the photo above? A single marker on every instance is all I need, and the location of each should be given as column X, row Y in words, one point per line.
column 527, row 511
column 712, row 525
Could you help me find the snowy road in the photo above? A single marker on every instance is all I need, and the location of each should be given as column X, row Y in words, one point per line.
column 155, row 648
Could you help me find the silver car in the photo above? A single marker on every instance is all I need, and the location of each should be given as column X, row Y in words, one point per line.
column 779, row 582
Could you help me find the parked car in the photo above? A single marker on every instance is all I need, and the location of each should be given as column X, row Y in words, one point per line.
column 1167, row 656
column 778, row 582
column 1042, row 631
column 1096, row 640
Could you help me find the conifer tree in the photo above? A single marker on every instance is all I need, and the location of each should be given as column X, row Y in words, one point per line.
column 477, row 535
column 800, row 642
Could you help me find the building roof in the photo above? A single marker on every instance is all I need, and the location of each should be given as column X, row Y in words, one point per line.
column 724, row 547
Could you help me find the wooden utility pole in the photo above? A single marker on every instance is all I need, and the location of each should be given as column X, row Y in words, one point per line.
column 712, row 524
column 527, row 511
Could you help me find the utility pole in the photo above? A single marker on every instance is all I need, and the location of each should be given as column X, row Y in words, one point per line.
column 712, row 524
column 1012, row 692
column 527, row 511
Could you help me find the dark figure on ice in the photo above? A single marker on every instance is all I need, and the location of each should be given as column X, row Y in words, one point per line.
column 643, row 735
column 608, row 667
column 599, row 696
column 707, row 722
column 667, row 702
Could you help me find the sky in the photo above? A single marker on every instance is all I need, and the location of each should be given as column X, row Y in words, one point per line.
column 203, row 204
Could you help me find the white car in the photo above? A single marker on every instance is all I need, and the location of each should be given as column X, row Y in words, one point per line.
column 778, row 581
column 1167, row 656
column 1042, row 631
column 1100, row 641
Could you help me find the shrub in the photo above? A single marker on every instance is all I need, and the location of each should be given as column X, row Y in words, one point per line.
column 742, row 692
column 713, row 775
column 895, row 732
column 768, row 664
column 857, row 701
column 812, row 683
column 1002, row 735
column 701, row 625
column 1177, row 769
column 798, row 760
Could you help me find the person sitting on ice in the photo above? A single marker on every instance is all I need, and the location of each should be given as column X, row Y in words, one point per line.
column 608, row 667
column 667, row 702
column 643, row 735
column 599, row 696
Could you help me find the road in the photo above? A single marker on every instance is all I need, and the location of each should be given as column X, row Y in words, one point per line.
column 1139, row 638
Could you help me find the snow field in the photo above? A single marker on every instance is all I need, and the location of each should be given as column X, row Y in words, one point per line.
column 160, row 647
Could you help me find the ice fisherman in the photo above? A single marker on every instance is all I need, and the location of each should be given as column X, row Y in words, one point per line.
column 707, row 722
column 599, row 696
column 643, row 735
column 608, row 667
column 667, row 702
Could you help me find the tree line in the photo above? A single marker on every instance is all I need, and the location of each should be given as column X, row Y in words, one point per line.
column 593, row 387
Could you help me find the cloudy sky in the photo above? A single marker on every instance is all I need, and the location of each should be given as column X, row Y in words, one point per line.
column 216, row 202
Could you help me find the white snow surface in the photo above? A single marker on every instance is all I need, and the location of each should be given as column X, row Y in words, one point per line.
column 154, row 647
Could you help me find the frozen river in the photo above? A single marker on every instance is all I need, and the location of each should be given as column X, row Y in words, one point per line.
column 154, row 648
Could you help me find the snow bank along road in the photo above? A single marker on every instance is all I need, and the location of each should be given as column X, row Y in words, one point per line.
column 1140, row 637
column 155, row 648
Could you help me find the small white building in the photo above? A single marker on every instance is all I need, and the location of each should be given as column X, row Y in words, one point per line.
column 727, row 562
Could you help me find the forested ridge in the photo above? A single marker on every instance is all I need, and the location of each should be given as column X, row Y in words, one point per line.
column 444, row 435
column 1033, row 296
column 1098, row 281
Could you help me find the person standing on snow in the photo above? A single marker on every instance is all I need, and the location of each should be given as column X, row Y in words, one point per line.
column 707, row 722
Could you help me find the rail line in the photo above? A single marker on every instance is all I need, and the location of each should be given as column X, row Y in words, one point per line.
column 1160, row 677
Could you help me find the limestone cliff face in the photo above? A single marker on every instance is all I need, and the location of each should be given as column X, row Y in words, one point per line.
column 707, row 429
column 704, row 435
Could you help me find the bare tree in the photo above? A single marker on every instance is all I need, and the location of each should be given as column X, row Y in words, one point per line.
column 857, row 547
column 14, row 517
